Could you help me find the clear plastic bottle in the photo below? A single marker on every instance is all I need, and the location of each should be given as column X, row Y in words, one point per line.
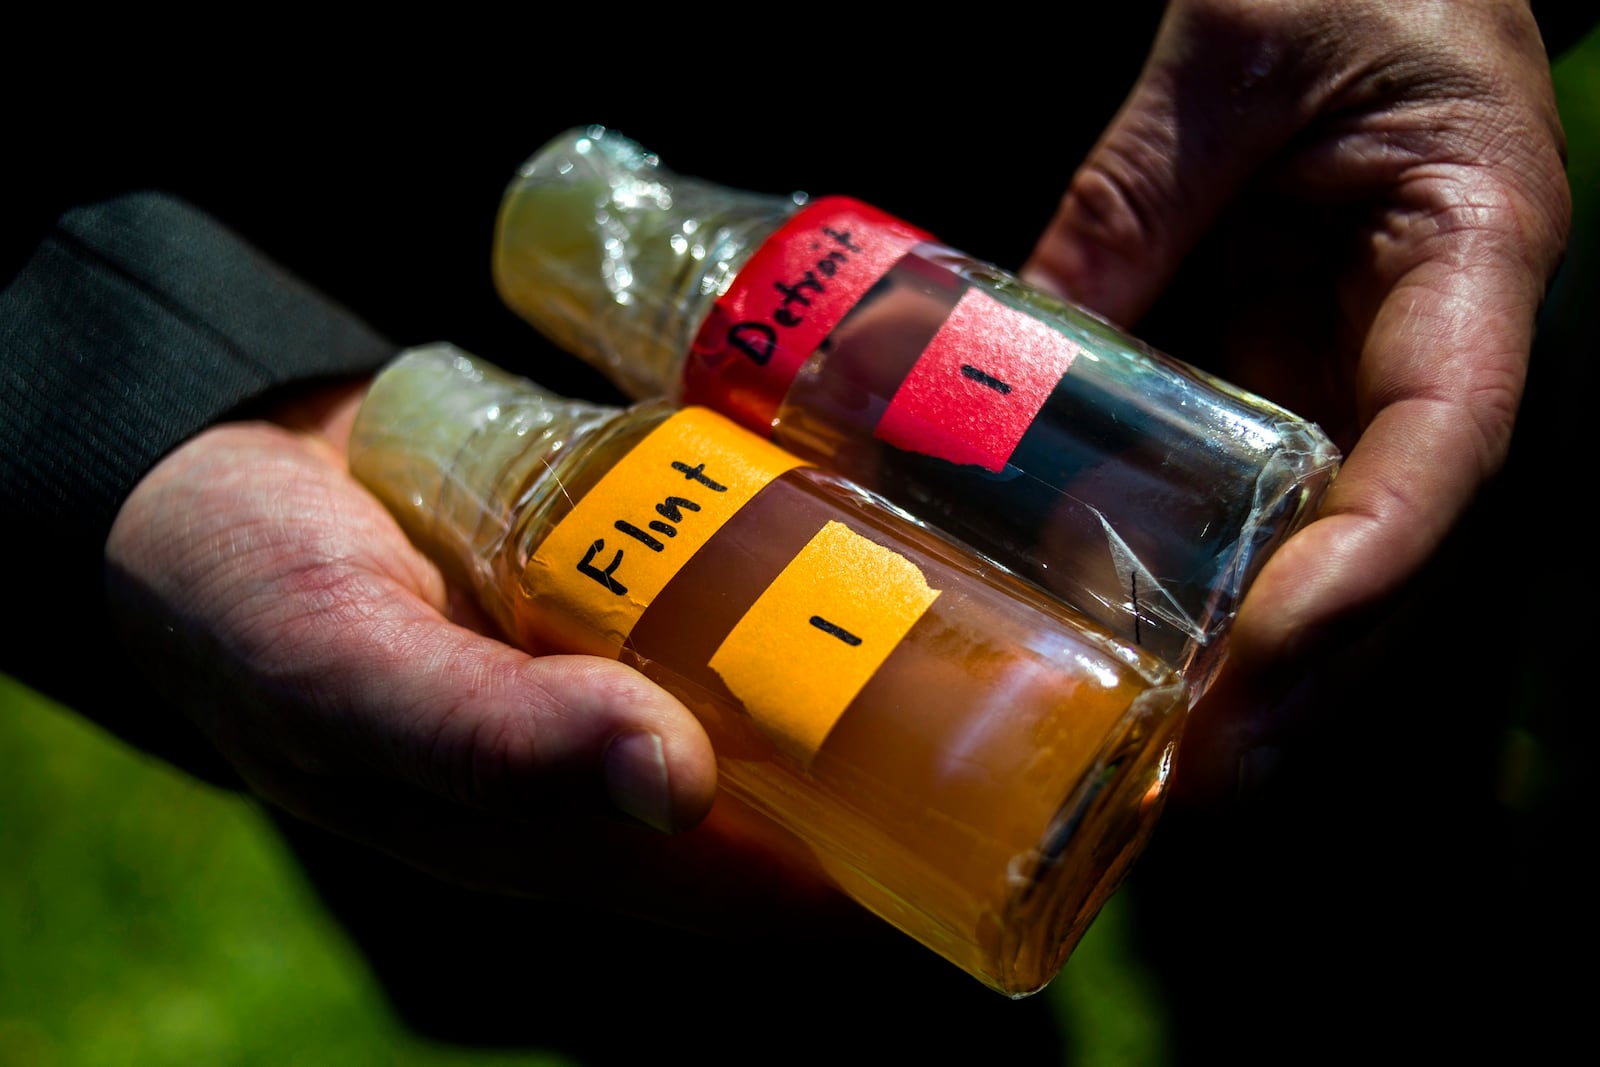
column 1136, row 488
column 964, row 755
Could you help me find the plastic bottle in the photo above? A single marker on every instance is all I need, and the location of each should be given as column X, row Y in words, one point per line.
column 1136, row 488
column 963, row 754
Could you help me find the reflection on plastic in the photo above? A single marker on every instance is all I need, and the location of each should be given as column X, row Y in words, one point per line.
column 964, row 755
column 1139, row 490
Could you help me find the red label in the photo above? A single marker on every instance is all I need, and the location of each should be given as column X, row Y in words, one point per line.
column 785, row 301
column 978, row 385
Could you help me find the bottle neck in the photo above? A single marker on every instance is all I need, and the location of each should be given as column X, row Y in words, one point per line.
column 655, row 337
column 617, row 259
column 466, row 456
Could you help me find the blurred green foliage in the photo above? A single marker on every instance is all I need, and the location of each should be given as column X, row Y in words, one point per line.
column 148, row 919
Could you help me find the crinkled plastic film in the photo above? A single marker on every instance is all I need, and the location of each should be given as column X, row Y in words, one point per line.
column 978, row 767
column 1143, row 492
column 461, row 465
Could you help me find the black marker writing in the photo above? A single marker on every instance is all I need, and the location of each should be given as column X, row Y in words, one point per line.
column 633, row 531
column 758, row 339
column 586, row 567
column 695, row 474
column 837, row 631
column 969, row 371
column 668, row 508
column 671, row 509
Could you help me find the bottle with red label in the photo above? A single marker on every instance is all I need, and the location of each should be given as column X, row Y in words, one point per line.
column 1138, row 489
column 964, row 755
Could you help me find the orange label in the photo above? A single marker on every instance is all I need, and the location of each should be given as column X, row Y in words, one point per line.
column 816, row 635
column 609, row 558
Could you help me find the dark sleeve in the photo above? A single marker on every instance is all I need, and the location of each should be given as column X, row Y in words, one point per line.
column 131, row 324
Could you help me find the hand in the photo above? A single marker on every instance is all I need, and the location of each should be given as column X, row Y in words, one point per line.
column 1374, row 196
column 279, row 605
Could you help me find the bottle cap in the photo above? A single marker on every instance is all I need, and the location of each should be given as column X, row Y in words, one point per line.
column 617, row 259
column 456, row 449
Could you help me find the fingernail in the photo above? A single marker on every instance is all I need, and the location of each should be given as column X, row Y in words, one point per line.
column 636, row 779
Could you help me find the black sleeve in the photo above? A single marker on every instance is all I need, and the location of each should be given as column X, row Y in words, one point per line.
column 132, row 323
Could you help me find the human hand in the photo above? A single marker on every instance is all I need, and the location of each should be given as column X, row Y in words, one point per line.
column 278, row 604
column 1369, row 200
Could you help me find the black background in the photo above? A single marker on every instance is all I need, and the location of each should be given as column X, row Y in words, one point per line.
column 1397, row 887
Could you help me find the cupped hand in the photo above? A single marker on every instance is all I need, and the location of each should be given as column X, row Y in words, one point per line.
column 1371, row 200
column 277, row 603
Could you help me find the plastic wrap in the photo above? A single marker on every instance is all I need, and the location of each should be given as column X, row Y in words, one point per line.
column 970, row 759
column 1132, row 486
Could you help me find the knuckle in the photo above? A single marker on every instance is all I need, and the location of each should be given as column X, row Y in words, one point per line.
column 474, row 749
column 1116, row 200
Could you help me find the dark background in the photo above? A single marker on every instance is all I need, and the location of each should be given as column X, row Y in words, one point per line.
column 1413, row 878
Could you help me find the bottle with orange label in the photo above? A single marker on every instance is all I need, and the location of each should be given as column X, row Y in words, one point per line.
column 1138, row 489
column 964, row 755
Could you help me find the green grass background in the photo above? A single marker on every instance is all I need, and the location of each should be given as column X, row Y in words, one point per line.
column 148, row 919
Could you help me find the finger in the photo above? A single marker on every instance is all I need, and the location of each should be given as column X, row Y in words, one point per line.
column 1221, row 92
column 304, row 632
column 471, row 720
column 1457, row 277
column 461, row 714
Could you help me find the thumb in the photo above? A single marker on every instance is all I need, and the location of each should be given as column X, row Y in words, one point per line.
column 1220, row 93
column 282, row 607
column 480, row 723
